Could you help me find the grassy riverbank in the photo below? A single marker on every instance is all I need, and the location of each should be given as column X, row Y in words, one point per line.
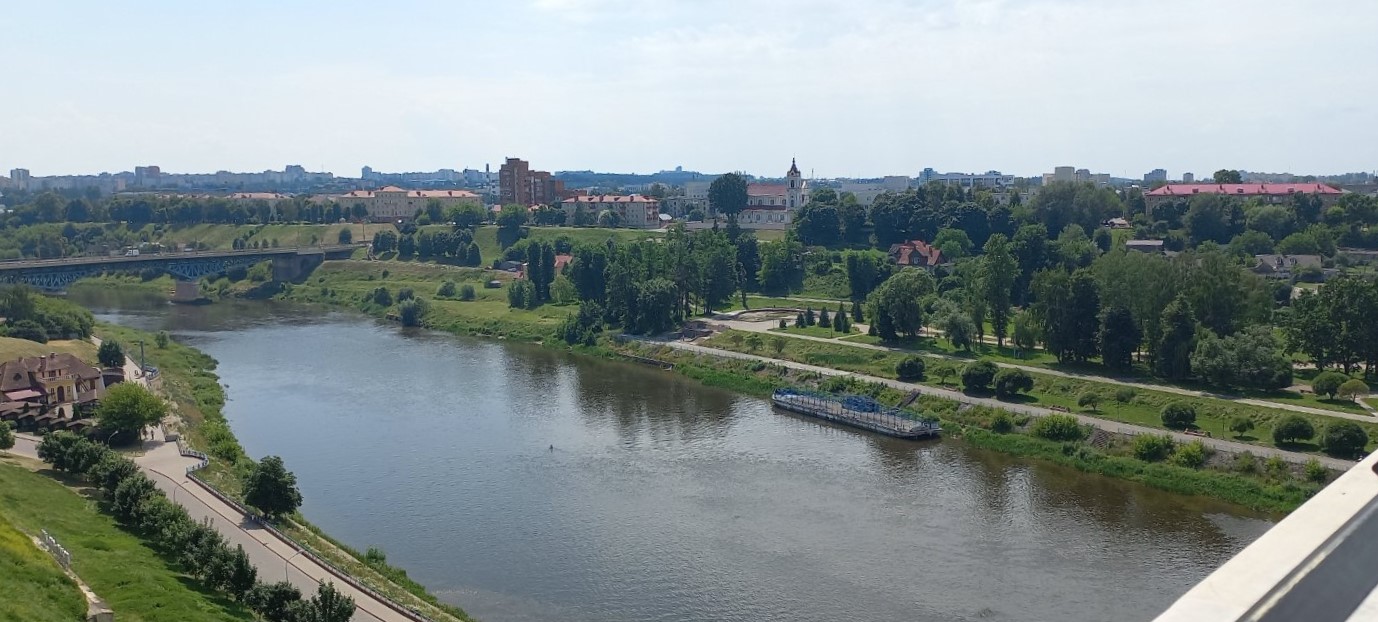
column 36, row 590
column 189, row 380
column 137, row 581
column 1118, row 403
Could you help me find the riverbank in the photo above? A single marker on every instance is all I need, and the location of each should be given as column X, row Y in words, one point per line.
column 190, row 382
column 352, row 285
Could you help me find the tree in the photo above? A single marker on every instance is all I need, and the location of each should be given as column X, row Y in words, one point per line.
column 129, row 408
column 1352, row 389
column 1178, row 332
column 910, row 368
column 241, row 576
column 1119, row 339
column 977, row 375
column 511, row 221
column 472, row 256
column 1291, row 429
column 894, row 306
column 346, row 236
column 1178, row 415
column 1344, row 439
column 1328, row 383
column 521, row 294
column 329, row 605
column 1251, row 358
column 1089, row 400
column 857, row 315
column 800, row 321
column 1068, row 307
column 1241, row 425
column 273, row 601
column 1025, row 332
column 271, row 488
column 727, row 195
column 1227, row 176
column 998, row 272
column 819, row 223
column 384, row 241
column 6, row 435
column 1010, row 382
column 824, row 319
column 110, row 354
column 809, row 318
column 162, row 339
column 954, row 244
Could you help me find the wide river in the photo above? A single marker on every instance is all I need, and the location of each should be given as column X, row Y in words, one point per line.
column 529, row 485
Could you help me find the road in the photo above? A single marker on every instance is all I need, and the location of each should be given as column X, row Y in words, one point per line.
column 729, row 320
column 1033, row 411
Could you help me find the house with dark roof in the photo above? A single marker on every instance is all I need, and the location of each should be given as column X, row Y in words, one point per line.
column 1287, row 266
column 916, row 253
column 51, row 380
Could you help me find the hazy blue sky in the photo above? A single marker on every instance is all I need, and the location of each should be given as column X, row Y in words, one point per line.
column 850, row 87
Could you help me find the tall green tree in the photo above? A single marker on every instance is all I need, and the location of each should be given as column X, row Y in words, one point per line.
column 727, row 195
column 271, row 488
column 128, row 408
column 110, row 354
column 1119, row 339
column 1177, row 339
column 1068, row 307
column 894, row 307
column 998, row 271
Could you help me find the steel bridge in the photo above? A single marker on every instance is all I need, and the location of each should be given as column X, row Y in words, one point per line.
column 189, row 267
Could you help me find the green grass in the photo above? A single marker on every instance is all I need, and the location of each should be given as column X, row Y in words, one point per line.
column 813, row 331
column 1144, row 408
column 223, row 236
column 140, row 584
column 35, row 588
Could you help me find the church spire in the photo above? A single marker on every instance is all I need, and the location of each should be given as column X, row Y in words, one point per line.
column 793, row 168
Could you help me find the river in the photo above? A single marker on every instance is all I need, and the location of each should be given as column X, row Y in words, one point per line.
column 529, row 485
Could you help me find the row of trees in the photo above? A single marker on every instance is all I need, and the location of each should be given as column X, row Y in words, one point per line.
column 458, row 245
column 40, row 318
column 1334, row 326
column 137, row 503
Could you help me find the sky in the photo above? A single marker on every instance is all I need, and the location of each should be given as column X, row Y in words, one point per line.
column 851, row 88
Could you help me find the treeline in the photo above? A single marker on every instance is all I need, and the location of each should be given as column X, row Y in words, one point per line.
column 960, row 221
column 136, row 502
column 457, row 245
column 39, row 318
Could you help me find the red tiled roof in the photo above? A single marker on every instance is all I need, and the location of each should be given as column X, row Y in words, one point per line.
column 1173, row 190
column 915, row 253
column 415, row 194
column 765, row 190
column 768, row 208
column 561, row 261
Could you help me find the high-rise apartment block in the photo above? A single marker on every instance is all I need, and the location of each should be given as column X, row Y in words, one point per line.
column 518, row 184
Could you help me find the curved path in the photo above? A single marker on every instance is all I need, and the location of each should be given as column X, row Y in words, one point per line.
column 730, row 321
column 1033, row 411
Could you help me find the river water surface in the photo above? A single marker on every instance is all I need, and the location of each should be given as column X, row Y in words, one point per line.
column 529, row 485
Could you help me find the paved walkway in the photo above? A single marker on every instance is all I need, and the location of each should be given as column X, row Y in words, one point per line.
column 1033, row 411
column 765, row 327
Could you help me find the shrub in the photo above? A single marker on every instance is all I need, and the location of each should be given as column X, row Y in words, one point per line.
column 446, row 290
column 1002, row 422
column 1352, row 389
column 405, row 294
column 977, row 375
column 1152, row 447
column 911, row 368
column 1328, row 383
column 466, row 292
column 162, row 339
column 783, row 324
column 1315, row 471
column 1058, row 428
column 1275, row 467
column 1089, row 399
column 1010, row 382
column 1246, row 462
column 1344, row 439
column 1125, row 395
column 1292, row 429
column 1179, row 415
column 382, row 297
column 1241, row 425
column 1191, row 455
column 411, row 311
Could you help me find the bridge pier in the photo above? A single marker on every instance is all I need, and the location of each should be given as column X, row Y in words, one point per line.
column 295, row 268
column 186, row 292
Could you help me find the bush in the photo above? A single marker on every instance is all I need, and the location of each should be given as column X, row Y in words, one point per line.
column 911, row 368
column 1344, row 439
column 466, row 292
column 1152, row 447
column 1315, row 471
column 411, row 311
column 1179, row 415
column 1241, row 425
column 1292, row 429
column 1089, row 399
column 446, row 290
column 346, row 236
column 1010, row 382
column 1058, row 428
column 1002, row 423
column 1191, row 455
column 1125, row 395
column 1352, row 389
column 405, row 294
column 1328, row 383
column 977, row 375
column 1246, row 462
column 6, row 435
column 28, row 330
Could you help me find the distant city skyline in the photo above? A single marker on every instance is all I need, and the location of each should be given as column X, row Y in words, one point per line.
column 849, row 89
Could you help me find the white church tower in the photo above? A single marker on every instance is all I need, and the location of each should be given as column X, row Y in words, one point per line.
column 797, row 192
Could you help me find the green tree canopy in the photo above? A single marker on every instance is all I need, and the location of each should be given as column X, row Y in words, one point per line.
column 727, row 195
column 128, row 408
column 271, row 488
column 110, row 354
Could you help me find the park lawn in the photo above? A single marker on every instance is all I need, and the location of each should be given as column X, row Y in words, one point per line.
column 140, row 584
column 1141, row 407
column 939, row 345
column 35, row 588
column 11, row 348
column 813, row 331
column 222, row 237
column 1313, row 401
